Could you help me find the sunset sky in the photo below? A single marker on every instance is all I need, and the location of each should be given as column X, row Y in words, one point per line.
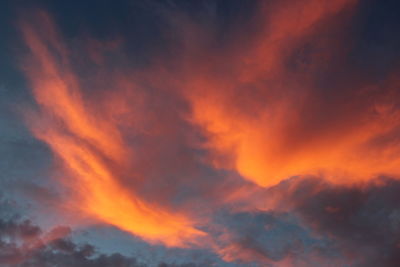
column 196, row 133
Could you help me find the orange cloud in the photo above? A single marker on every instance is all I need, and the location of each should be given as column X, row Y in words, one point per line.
column 128, row 153
column 89, row 144
column 268, row 121
column 258, row 104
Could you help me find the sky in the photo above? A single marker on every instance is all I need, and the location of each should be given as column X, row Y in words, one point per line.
column 185, row 133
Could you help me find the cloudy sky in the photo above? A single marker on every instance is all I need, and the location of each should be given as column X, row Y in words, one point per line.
column 185, row 133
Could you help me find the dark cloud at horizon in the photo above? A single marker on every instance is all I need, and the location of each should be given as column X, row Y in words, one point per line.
column 24, row 244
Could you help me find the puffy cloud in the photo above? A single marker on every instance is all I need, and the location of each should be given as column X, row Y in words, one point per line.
column 24, row 244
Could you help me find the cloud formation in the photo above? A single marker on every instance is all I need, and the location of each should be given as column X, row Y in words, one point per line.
column 88, row 143
column 23, row 244
column 260, row 132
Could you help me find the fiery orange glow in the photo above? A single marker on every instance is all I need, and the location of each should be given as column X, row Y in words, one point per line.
column 263, row 124
column 89, row 144
column 235, row 125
